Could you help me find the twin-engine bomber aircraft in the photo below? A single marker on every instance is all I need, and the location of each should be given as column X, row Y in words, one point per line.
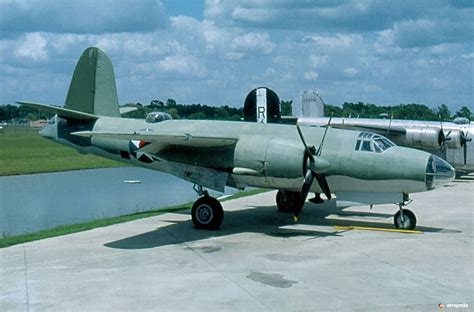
column 358, row 167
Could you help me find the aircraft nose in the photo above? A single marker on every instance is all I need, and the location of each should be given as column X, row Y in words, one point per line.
column 438, row 172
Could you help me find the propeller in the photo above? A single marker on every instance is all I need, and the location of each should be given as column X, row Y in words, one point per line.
column 314, row 169
column 464, row 141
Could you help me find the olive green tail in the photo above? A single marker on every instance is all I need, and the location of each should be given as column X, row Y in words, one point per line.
column 92, row 89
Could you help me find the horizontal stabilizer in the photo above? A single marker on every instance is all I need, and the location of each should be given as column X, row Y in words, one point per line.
column 164, row 138
column 127, row 109
column 60, row 111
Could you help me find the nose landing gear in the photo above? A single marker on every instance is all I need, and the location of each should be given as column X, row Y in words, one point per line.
column 404, row 219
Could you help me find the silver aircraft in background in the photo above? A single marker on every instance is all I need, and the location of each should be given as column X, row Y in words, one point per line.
column 451, row 141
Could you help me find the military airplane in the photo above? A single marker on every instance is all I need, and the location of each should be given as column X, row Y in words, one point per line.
column 448, row 140
column 358, row 167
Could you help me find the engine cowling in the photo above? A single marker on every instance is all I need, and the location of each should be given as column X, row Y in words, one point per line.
column 454, row 139
column 423, row 137
column 284, row 159
column 271, row 157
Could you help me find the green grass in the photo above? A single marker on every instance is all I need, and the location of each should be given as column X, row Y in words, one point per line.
column 23, row 152
column 74, row 228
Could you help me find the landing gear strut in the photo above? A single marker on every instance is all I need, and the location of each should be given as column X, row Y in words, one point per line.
column 404, row 219
column 288, row 201
column 207, row 212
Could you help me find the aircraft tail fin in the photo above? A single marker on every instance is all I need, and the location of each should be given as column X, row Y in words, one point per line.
column 312, row 105
column 262, row 105
column 92, row 89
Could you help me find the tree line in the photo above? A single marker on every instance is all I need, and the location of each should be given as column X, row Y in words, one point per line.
column 401, row 111
column 17, row 113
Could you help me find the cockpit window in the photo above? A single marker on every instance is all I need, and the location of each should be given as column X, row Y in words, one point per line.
column 366, row 146
column 371, row 142
column 155, row 117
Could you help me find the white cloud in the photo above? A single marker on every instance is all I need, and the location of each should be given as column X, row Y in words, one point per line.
column 182, row 64
column 311, row 75
column 81, row 16
column 316, row 60
column 33, row 47
column 351, row 72
column 366, row 51
column 337, row 41
column 253, row 42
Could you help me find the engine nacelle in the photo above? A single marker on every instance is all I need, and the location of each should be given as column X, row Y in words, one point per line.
column 284, row 160
column 454, row 139
column 271, row 157
column 423, row 137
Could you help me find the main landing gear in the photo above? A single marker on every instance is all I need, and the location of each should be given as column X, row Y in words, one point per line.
column 288, row 201
column 404, row 219
column 207, row 212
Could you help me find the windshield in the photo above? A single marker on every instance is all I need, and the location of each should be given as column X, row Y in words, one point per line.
column 155, row 117
column 371, row 142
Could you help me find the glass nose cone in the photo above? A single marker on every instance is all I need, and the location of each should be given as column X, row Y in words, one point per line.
column 438, row 172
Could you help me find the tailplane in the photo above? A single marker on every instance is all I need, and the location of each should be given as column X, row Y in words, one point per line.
column 92, row 89
column 312, row 105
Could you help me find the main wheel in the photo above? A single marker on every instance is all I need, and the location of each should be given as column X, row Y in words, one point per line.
column 409, row 220
column 207, row 213
column 288, row 201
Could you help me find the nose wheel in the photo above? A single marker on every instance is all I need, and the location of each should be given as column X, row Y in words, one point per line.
column 404, row 219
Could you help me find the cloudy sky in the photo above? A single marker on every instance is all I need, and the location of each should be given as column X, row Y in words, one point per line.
column 215, row 51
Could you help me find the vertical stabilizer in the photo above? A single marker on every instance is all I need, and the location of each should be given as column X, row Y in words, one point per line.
column 93, row 88
column 312, row 105
column 262, row 105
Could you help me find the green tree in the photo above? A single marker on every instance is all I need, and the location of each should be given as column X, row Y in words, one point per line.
column 443, row 112
column 171, row 102
column 464, row 112
column 173, row 112
column 198, row 115
column 286, row 107
column 156, row 104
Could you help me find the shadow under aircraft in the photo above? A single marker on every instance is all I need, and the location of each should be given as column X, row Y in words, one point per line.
column 319, row 223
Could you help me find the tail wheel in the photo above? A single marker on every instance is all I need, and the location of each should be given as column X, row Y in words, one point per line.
column 408, row 222
column 207, row 213
column 288, row 201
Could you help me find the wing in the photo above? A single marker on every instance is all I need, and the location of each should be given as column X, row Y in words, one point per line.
column 382, row 129
column 165, row 138
column 356, row 124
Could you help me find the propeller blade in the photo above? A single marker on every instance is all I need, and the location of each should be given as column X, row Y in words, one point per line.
column 302, row 139
column 464, row 141
column 465, row 153
column 323, row 184
column 308, row 181
column 320, row 148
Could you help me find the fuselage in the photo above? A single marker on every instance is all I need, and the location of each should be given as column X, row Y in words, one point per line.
column 264, row 155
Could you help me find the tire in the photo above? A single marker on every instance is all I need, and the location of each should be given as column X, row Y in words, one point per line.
column 207, row 213
column 409, row 222
column 288, row 201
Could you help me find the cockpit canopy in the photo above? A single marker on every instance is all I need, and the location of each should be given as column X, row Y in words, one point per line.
column 371, row 142
column 155, row 117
